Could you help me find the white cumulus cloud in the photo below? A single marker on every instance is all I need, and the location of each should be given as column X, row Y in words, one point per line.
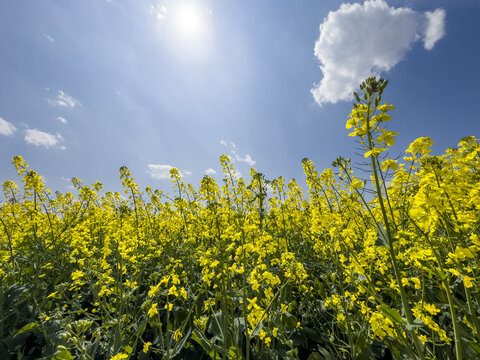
column 159, row 171
column 6, row 127
column 361, row 40
column 62, row 119
column 210, row 171
column 64, row 100
column 247, row 158
column 435, row 27
column 41, row 138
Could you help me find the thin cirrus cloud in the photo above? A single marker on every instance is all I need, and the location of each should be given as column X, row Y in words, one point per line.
column 64, row 100
column 6, row 127
column 62, row 119
column 41, row 138
column 361, row 40
column 49, row 38
column 210, row 171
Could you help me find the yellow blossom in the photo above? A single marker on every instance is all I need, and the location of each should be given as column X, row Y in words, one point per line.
column 153, row 310
column 177, row 335
column 119, row 356
column 146, row 346
column 275, row 331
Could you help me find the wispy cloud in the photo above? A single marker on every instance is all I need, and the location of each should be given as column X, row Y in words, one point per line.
column 49, row 38
column 159, row 171
column 234, row 153
column 187, row 172
column 64, row 100
column 62, row 119
column 6, row 127
column 210, row 171
column 70, row 186
column 361, row 40
column 247, row 159
column 159, row 11
column 41, row 138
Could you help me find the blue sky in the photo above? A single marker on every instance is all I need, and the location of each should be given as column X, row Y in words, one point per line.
column 89, row 86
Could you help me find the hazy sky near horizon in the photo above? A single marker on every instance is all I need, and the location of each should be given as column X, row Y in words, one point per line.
column 89, row 86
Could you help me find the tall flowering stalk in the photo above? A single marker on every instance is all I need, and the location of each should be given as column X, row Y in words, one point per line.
column 367, row 125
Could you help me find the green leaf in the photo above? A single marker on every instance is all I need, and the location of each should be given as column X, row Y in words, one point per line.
column 475, row 347
column 257, row 330
column 198, row 337
column 179, row 345
column 417, row 323
column 214, row 325
column 214, row 355
column 382, row 239
column 313, row 334
column 63, row 355
column 325, row 353
column 28, row 327
column 289, row 321
column 233, row 353
column 392, row 314
column 314, row 356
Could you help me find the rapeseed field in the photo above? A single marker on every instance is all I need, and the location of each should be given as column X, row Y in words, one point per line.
column 379, row 263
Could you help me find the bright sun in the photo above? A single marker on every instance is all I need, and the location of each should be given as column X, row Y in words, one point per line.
column 187, row 29
column 189, row 21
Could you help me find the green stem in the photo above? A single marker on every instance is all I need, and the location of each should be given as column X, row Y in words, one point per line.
column 472, row 311
column 458, row 344
column 406, row 307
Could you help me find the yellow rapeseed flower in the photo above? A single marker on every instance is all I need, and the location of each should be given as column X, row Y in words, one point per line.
column 119, row 356
column 153, row 310
column 146, row 346
column 177, row 335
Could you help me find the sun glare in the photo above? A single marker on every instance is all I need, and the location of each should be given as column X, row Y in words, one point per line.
column 187, row 30
column 188, row 21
